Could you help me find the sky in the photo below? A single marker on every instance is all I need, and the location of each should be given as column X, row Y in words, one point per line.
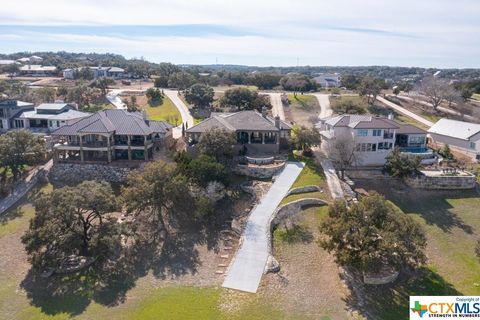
column 423, row 33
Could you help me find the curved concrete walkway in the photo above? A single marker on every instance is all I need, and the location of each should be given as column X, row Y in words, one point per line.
column 247, row 268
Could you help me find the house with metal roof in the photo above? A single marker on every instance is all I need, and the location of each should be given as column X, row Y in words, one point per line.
column 111, row 135
column 460, row 135
column 98, row 72
column 369, row 138
column 9, row 108
column 47, row 117
column 256, row 133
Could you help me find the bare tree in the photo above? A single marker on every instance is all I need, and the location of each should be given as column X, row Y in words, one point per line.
column 343, row 154
column 434, row 89
column 452, row 96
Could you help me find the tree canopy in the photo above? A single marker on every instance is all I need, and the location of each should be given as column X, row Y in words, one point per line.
column 200, row 95
column 372, row 235
column 305, row 138
column 370, row 88
column 298, row 83
column 244, row 99
column 399, row 165
column 217, row 143
column 73, row 221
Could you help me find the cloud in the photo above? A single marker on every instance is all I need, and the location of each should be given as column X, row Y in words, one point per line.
column 441, row 33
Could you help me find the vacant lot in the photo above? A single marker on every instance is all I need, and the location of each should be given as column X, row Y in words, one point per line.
column 304, row 109
column 162, row 112
column 450, row 220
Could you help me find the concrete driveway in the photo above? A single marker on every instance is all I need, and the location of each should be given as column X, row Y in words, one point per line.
column 182, row 108
column 404, row 111
column 324, row 101
column 277, row 105
column 247, row 268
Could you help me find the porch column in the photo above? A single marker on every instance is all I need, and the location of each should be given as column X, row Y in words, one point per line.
column 129, row 142
column 249, row 133
column 81, row 147
column 145, row 152
column 262, row 134
column 109, row 151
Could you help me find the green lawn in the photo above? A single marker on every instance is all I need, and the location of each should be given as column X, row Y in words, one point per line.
column 303, row 101
column 164, row 112
column 452, row 227
column 476, row 96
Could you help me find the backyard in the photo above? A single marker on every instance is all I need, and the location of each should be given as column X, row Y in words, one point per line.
column 165, row 111
column 450, row 220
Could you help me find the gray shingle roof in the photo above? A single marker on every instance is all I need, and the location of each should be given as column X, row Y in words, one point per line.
column 119, row 121
column 243, row 120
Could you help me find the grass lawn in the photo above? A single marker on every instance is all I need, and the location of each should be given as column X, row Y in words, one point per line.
column 164, row 112
column 303, row 101
column 476, row 96
column 452, row 227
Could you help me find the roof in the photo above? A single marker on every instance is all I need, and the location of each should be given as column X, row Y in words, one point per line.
column 3, row 62
column 15, row 103
column 67, row 115
column 454, row 128
column 243, row 120
column 52, row 106
column 405, row 128
column 115, row 69
column 37, row 67
column 119, row 121
column 360, row 122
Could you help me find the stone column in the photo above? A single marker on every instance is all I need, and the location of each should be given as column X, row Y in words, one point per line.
column 129, row 142
column 81, row 148
column 109, row 150
column 262, row 134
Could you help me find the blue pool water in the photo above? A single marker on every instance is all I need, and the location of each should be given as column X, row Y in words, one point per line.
column 416, row 150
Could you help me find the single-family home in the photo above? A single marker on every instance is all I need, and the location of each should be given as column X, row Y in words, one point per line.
column 98, row 72
column 328, row 80
column 47, row 117
column 36, row 70
column 460, row 135
column 255, row 132
column 369, row 139
column 111, row 135
column 9, row 108
column 31, row 59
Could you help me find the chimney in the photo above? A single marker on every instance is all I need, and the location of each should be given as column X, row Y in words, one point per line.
column 390, row 116
column 144, row 115
column 264, row 112
column 278, row 123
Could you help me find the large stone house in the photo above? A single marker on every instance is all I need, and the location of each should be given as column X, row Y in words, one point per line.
column 370, row 138
column 257, row 132
column 111, row 135
column 98, row 72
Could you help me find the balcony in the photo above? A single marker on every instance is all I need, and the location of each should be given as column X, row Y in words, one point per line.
column 388, row 135
column 95, row 144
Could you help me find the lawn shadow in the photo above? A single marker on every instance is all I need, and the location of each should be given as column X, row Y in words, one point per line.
column 432, row 205
column 11, row 214
column 391, row 301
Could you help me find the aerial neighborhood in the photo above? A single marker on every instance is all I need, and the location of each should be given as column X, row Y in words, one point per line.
column 131, row 189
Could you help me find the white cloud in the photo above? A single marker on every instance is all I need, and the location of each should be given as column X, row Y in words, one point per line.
column 349, row 32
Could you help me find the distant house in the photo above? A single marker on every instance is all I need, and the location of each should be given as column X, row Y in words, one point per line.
column 9, row 109
column 257, row 132
column 464, row 136
column 328, row 80
column 36, row 70
column 47, row 117
column 31, row 59
column 111, row 135
column 370, row 138
column 98, row 72
column 7, row 62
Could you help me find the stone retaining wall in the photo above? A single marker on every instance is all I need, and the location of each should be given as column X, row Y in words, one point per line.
column 283, row 212
column 259, row 172
column 73, row 172
column 380, row 279
column 306, row 189
column 442, row 182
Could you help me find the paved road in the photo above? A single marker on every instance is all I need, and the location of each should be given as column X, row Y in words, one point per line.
column 324, row 101
column 440, row 108
column 333, row 181
column 182, row 108
column 114, row 99
column 404, row 111
column 23, row 187
column 247, row 268
column 277, row 105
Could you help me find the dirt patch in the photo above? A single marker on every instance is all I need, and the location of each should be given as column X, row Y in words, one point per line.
column 309, row 281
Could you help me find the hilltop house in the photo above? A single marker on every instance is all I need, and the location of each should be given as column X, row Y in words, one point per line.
column 370, row 138
column 328, row 80
column 36, row 70
column 257, row 132
column 9, row 109
column 460, row 135
column 47, row 117
column 111, row 135
column 98, row 72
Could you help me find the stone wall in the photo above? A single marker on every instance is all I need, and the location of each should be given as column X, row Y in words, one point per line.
column 74, row 172
column 382, row 278
column 259, row 172
column 306, row 189
column 442, row 182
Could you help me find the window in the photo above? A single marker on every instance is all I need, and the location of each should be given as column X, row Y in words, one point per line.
column 362, row 132
column 18, row 123
column 472, row 145
column 377, row 132
column 1, row 124
column 417, row 140
column 374, row 147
